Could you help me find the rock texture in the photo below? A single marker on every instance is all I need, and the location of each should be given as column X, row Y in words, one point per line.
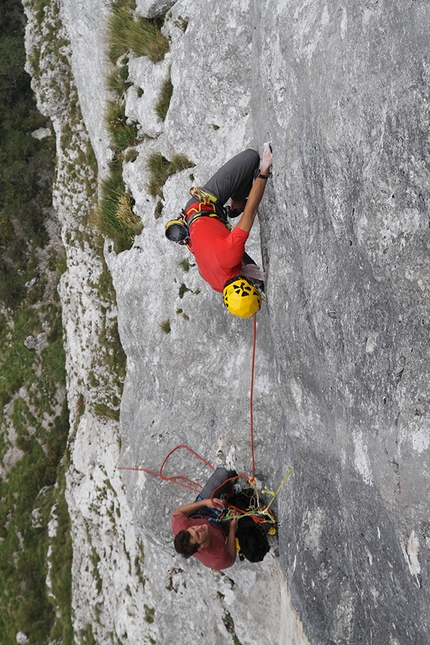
column 111, row 600
column 341, row 390
column 347, row 248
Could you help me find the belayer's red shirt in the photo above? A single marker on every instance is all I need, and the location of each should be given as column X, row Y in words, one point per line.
column 217, row 250
column 216, row 555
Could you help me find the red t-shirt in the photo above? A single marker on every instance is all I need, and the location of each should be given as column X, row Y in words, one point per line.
column 215, row 556
column 217, row 250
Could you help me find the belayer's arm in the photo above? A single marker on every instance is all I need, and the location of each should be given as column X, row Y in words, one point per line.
column 231, row 540
column 191, row 508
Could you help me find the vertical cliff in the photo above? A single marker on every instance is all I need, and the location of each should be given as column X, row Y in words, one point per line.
column 341, row 390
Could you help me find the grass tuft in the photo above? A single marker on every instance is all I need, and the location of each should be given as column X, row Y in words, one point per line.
column 183, row 290
column 158, row 212
column 123, row 134
column 163, row 102
column 138, row 35
column 166, row 326
column 116, row 217
column 131, row 155
column 161, row 169
column 103, row 410
column 116, row 84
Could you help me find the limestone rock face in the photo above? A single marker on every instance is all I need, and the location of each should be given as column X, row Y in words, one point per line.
column 153, row 8
column 346, row 244
column 341, row 377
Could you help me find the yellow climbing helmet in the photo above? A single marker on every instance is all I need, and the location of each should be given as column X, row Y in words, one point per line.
column 241, row 298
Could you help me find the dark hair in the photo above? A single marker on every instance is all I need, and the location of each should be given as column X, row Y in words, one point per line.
column 183, row 544
column 238, row 276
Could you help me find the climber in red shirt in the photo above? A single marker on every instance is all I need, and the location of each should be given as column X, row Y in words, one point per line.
column 203, row 227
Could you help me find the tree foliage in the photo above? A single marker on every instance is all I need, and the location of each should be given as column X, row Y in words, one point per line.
column 26, row 163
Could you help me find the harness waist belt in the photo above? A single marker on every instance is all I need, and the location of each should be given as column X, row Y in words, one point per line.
column 197, row 210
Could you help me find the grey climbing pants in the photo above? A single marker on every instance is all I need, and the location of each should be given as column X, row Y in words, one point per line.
column 215, row 482
column 234, row 179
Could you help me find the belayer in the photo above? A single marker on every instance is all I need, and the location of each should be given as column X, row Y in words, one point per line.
column 212, row 543
column 219, row 251
column 202, row 530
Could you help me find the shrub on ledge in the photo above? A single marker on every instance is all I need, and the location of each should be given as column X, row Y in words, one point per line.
column 140, row 36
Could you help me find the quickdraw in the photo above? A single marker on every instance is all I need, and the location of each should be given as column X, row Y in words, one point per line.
column 203, row 196
column 206, row 206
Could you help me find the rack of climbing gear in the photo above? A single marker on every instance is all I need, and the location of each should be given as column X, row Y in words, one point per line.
column 257, row 507
column 207, row 205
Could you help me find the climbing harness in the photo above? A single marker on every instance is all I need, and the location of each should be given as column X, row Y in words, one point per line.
column 207, row 205
column 257, row 508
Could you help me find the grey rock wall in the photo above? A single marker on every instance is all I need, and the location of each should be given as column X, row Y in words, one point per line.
column 153, row 8
column 346, row 241
column 341, row 390
column 342, row 92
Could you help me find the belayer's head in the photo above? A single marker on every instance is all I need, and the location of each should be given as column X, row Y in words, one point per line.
column 241, row 297
column 183, row 544
column 176, row 230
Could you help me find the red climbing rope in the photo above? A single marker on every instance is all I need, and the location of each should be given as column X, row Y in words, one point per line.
column 175, row 478
column 251, row 393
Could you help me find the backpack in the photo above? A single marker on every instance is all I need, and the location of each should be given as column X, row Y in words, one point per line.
column 252, row 540
column 251, row 536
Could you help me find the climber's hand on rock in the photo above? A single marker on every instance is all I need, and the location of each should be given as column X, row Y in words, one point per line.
column 266, row 163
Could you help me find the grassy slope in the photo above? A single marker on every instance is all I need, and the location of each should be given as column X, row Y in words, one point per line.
column 33, row 413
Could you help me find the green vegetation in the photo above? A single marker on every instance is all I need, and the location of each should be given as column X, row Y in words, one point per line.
column 163, row 102
column 128, row 35
column 229, row 625
column 161, row 169
column 116, row 217
column 149, row 614
column 103, row 410
column 183, row 290
column 166, row 326
column 61, row 564
column 158, row 212
column 180, row 311
column 34, row 485
column 131, row 35
column 131, row 155
column 123, row 134
column 137, row 35
column 185, row 264
column 34, row 418
column 181, row 23
column 26, row 164
column 117, row 80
